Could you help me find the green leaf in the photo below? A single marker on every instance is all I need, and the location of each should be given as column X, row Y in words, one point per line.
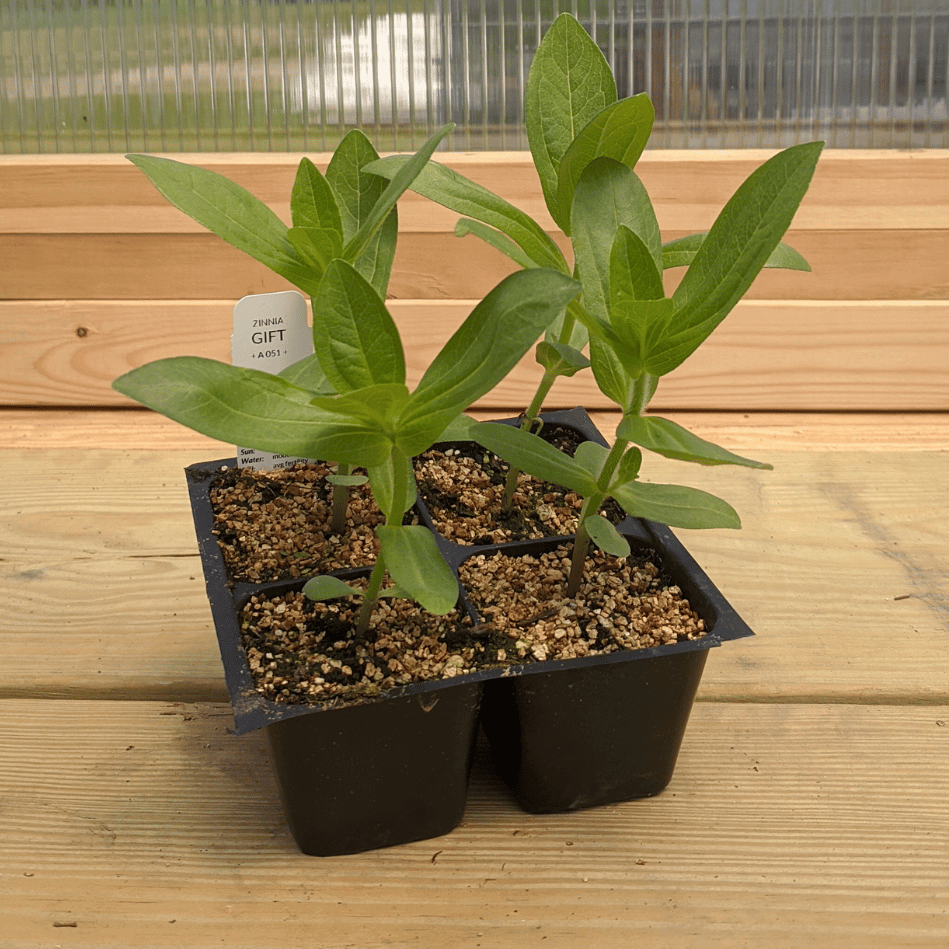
column 377, row 406
column 741, row 240
column 611, row 377
column 315, row 246
column 634, row 274
column 458, row 430
column 533, row 455
column 416, row 565
column 495, row 239
column 313, row 204
column 308, row 374
column 639, row 327
column 591, row 456
column 250, row 408
column 561, row 359
column 394, row 593
column 483, row 350
column 399, row 184
column 628, row 468
column 675, row 505
column 458, row 193
column 608, row 196
column 606, row 536
column 356, row 190
column 681, row 252
column 354, row 336
column 638, row 311
column 569, row 84
column 231, row 212
column 671, row 440
column 619, row 132
column 385, row 484
column 346, row 481
column 357, row 193
column 328, row 588
column 784, row 257
column 375, row 260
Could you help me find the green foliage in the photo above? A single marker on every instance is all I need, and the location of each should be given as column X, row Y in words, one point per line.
column 249, row 407
column 599, row 474
column 234, row 214
column 349, row 402
column 371, row 420
column 585, row 145
column 570, row 83
column 347, row 214
column 354, row 337
column 619, row 132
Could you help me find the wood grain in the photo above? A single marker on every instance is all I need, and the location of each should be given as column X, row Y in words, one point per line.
column 807, row 808
column 134, row 824
column 850, row 189
column 841, row 568
column 905, row 264
column 768, row 355
column 111, row 428
column 874, row 226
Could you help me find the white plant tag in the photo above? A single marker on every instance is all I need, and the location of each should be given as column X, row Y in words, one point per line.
column 270, row 333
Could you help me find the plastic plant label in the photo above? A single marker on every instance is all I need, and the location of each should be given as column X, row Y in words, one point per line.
column 271, row 332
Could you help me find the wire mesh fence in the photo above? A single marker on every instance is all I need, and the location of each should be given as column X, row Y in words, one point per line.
column 276, row 75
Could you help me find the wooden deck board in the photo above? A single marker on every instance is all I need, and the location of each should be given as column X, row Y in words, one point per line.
column 111, row 428
column 842, row 568
column 852, row 189
column 145, row 824
column 768, row 355
column 436, row 265
column 808, row 806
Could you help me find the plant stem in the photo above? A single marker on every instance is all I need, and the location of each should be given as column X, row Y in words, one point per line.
column 340, row 502
column 591, row 505
column 527, row 422
column 581, row 545
column 399, row 499
column 370, row 598
column 537, row 403
column 643, row 391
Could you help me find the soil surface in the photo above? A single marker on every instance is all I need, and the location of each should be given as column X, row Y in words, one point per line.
column 305, row 652
column 463, row 488
column 275, row 525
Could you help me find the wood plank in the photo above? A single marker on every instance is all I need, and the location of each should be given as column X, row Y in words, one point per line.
column 141, row 824
column 842, row 568
column 768, row 355
column 743, row 431
column 851, row 190
column 868, row 263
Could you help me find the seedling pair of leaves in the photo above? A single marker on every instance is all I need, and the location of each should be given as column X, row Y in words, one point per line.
column 585, row 145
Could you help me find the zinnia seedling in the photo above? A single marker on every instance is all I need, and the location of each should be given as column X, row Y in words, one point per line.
column 585, row 145
column 348, row 401
column 347, row 215
column 372, row 420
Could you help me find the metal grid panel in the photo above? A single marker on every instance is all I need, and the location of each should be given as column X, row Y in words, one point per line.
column 219, row 75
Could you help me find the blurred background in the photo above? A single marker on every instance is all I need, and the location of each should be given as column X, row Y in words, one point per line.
column 276, row 75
